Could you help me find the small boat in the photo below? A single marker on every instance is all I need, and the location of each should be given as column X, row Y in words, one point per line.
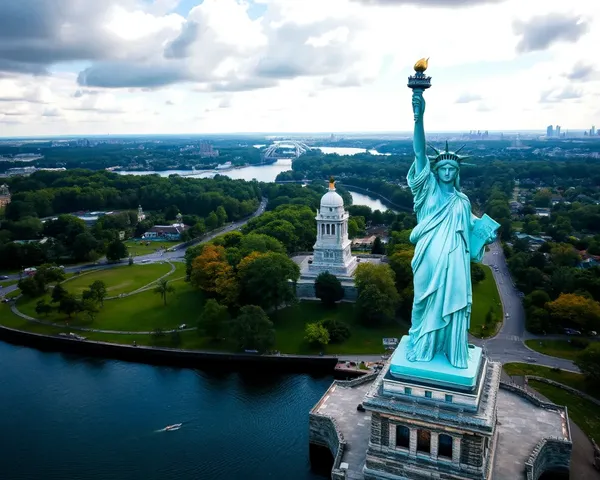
column 176, row 426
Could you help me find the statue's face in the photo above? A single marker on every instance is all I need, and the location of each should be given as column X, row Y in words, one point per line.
column 447, row 173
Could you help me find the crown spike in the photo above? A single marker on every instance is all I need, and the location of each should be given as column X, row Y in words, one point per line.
column 460, row 148
column 437, row 152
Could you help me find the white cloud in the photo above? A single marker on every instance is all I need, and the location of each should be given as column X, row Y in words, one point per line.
column 309, row 65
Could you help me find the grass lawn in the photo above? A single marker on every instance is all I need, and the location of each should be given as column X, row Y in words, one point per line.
column 583, row 412
column 8, row 283
column 571, row 379
column 485, row 296
column 140, row 248
column 140, row 312
column 290, row 324
column 555, row 348
column 119, row 279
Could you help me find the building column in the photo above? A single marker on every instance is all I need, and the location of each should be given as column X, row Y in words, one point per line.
column 433, row 447
column 392, row 435
column 456, row 450
column 413, row 442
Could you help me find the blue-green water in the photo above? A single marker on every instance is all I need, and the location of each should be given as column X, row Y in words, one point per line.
column 64, row 417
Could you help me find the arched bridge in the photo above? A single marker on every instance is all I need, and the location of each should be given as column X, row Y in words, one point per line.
column 285, row 149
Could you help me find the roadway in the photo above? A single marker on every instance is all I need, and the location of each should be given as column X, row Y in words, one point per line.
column 175, row 255
column 508, row 344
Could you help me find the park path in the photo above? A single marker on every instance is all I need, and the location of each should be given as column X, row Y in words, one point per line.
column 17, row 312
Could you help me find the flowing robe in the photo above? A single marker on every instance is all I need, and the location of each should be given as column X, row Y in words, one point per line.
column 442, row 272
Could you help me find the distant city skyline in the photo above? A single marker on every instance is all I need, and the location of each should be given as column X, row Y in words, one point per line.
column 310, row 66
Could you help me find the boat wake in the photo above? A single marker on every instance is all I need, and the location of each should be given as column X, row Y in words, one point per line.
column 171, row 428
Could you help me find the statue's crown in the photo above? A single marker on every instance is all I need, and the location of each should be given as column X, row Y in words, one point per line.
column 446, row 155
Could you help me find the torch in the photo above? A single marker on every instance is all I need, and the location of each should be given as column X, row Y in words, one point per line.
column 419, row 82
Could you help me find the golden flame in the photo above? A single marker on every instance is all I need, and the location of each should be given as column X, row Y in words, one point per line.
column 331, row 183
column 422, row 65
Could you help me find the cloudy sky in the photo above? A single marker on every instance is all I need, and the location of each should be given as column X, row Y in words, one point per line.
column 191, row 66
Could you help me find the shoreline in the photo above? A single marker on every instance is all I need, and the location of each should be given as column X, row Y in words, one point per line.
column 171, row 356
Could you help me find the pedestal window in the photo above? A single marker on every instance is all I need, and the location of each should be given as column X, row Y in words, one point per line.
column 333, row 228
column 445, row 446
column 423, row 441
column 402, row 436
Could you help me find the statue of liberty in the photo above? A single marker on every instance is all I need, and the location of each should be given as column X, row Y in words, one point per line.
column 447, row 237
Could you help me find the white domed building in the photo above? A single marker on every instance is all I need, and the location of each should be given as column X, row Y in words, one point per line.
column 331, row 252
column 332, row 248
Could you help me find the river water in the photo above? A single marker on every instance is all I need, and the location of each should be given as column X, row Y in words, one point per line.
column 263, row 173
column 69, row 418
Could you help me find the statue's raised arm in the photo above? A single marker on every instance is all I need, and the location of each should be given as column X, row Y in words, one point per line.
column 419, row 144
column 419, row 82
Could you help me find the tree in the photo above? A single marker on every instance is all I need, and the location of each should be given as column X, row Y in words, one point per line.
column 328, row 288
column 378, row 247
column 58, row 292
column 338, row 331
column 207, row 266
column 377, row 294
column 252, row 329
column 90, row 306
column 588, row 362
column 268, row 279
column 31, row 287
column 163, row 288
column 316, row 334
column 43, row 308
column 571, row 309
column 477, row 273
column 213, row 319
column 212, row 221
column 70, row 305
column 99, row 291
column 116, row 250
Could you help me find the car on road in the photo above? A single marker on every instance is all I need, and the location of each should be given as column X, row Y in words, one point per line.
column 3, row 277
column 572, row 331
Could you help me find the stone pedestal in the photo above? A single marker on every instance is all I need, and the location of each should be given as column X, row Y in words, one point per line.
column 422, row 430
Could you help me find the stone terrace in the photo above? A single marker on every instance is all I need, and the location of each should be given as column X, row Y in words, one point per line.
column 521, row 426
column 340, row 403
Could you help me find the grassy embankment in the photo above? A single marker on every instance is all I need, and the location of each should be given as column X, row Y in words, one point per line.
column 556, row 348
column 485, row 297
column 140, row 248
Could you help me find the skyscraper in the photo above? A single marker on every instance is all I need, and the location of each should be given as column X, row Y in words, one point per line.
column 557, row 131
column 550, row 131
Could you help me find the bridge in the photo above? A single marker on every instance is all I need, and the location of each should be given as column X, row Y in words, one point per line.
column 285, row 149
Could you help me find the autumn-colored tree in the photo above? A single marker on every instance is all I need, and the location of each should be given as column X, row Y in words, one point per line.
column 570, row 308
column 212, row 273
column 207, row 267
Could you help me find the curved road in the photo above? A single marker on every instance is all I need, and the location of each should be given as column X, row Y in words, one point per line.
column 507, row 345
column 176, row 255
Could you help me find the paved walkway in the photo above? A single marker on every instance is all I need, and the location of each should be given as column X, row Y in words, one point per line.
column 340, row 404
